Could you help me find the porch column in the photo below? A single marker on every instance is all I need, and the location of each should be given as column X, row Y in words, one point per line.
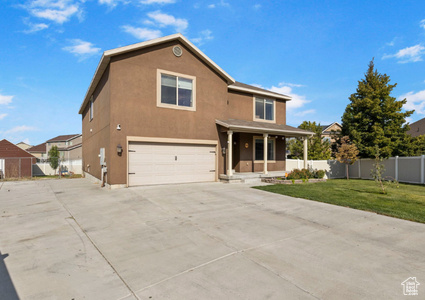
column 305, row 152
column 229, row 152
column 265, row 136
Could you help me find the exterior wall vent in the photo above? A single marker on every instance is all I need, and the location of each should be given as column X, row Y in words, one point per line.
column 177, row 51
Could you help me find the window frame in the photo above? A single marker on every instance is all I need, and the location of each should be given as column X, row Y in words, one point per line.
column 175, row 106
column 274, row 149
column 91, row 108
column 264, row 106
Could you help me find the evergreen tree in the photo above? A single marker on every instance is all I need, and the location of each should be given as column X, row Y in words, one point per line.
column 318, row 148
column 375, row 118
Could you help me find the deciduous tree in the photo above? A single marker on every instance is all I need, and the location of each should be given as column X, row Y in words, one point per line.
column 347, row 153
column 318, row 148
column 54, row 157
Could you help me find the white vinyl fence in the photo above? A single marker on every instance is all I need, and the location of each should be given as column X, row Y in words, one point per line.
column 403, row 169
column 66, row 166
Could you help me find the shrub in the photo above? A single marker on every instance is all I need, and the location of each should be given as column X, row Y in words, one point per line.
column 305, row 174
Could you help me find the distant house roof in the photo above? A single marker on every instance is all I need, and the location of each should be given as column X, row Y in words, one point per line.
column 70, row 147
column 8, row 149
column 327, row 127
column 38, row 148
column 63, row 138
column 417, row 128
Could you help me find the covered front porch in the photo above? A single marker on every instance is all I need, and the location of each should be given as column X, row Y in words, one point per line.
column 256, row 147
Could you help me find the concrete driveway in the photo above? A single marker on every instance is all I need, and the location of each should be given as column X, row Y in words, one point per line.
column 70, row 239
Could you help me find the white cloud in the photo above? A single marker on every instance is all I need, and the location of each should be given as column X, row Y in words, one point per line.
column 297, row 101
column 409, row 54
column 157, row 1
column 257, row 6
column 5, row 99
column 110, row 3
column 2, row 116
column 422, row 24
column 221, row 3
column 81, row 48
column 291, row 84
column 162, row 20
column 21, row 128
column 415, row 101
column 205, row 35
column 36, row 27
column 142, row 33
column 305, row 112
column 59, row 11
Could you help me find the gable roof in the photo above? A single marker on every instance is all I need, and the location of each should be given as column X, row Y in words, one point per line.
column 232, row 84
column 63, row 138
column 326, row 127
column 38, row 148
column 106, row 57
column 8, row 149
column 417, row 128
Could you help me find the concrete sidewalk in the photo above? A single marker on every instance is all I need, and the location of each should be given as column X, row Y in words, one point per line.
column 70, row 239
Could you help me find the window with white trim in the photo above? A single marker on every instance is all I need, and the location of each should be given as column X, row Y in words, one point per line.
column 176, row 90
column 259, row 149
column 264, row 109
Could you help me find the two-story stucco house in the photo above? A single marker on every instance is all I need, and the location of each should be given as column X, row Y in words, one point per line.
column 161, row 111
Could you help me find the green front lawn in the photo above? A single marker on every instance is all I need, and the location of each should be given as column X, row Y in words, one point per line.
column 405, row 202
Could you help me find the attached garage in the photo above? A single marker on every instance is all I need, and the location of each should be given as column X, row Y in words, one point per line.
column 171, row 162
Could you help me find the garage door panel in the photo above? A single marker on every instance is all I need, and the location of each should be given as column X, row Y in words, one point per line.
column 161, row 163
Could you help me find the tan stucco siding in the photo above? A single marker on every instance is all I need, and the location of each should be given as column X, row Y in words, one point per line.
column 241, row 107
column 134, row 101
column 96, row 132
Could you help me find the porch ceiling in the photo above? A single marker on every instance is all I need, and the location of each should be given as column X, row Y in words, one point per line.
column 263, row 127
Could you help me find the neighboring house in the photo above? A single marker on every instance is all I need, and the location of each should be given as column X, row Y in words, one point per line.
column 69, row 146
column 38, row 151
column 329, row 130
column 161, row 111
column 417, row 128
column 14, row 161
column 23, row 145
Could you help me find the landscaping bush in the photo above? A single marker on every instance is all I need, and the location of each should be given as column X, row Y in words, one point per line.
column 305, row 174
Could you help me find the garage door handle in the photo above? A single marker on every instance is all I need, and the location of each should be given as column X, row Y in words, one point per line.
column 212, row 170
column 175, row 157
column 131, row 173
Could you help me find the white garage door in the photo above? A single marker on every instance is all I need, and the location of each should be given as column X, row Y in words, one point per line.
column 162, row 163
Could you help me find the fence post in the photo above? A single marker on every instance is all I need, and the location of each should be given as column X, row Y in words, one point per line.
column 19, row 168
column 360, row 171
column 396, row 168
column 422, row 169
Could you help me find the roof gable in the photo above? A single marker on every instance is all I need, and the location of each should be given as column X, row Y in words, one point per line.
column 8, row 149
column 38, row 148
column 106, row 57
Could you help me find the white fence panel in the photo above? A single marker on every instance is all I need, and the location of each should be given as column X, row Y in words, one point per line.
column 43, row 168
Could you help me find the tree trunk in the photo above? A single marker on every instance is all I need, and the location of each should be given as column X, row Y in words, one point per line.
column 346, row 168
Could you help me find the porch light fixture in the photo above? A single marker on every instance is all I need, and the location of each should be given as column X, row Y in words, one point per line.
column 119, row 150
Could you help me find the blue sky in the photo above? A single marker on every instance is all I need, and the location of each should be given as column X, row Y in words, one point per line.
column 315, row 51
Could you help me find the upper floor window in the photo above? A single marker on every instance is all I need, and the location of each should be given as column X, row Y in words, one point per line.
column 176, row 90
column 264, row 109
column 91, row 108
